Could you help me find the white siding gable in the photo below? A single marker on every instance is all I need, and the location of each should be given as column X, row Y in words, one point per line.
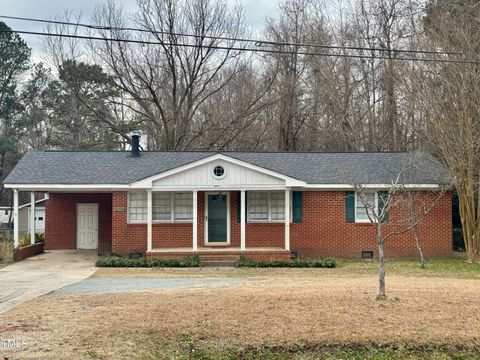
column 202, row 177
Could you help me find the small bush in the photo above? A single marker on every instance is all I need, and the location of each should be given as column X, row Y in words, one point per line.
column 39, row 238
column 24, row 240
column 6, row 249
column 308, row 263
column 121, row 261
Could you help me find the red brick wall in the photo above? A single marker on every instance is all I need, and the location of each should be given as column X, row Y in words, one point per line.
column 61, row 220
column 323, row 231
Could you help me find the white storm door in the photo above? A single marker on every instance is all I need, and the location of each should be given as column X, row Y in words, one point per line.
column 87, row 226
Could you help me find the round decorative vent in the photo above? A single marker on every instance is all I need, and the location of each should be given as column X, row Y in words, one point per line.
column 218, row 171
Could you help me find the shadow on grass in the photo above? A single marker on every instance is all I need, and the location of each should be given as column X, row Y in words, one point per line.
column 190, row 349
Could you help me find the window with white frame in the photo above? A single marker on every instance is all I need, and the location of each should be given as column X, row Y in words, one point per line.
column 137, row 207
column 265, row 206
column 183, row 206
column 161, row 206
column 166, row 207
column 365, row 207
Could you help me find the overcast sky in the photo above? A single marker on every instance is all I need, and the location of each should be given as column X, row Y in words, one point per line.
column 255, row 10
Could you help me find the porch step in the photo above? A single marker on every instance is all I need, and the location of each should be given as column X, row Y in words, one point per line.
column 218, row 260
column 218, row 263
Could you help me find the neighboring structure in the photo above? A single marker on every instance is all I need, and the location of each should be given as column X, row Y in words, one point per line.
column 5, row 213
column 24, row 220
column 258, row 204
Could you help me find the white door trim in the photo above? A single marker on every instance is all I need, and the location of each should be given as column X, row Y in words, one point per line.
column 78, row 205
column 205, row 224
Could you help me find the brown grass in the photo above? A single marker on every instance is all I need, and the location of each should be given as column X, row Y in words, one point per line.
column 309, row 306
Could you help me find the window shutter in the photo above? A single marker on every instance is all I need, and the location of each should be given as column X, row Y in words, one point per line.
column 382, row 202
column 350, row 206
column 239, row 197
column 297, row 206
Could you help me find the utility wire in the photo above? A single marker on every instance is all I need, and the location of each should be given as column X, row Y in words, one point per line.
column 257, row 42
column 236, row 48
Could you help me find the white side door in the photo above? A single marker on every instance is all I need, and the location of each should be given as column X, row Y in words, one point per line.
column 87, row 226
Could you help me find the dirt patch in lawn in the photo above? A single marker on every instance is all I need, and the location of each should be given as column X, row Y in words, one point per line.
column 284, row 309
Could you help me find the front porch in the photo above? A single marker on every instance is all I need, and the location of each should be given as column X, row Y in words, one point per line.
column 219, row 221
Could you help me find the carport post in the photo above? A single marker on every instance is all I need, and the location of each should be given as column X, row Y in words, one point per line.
column 194, row 221
column 242, row 220
column 32, row 217
column 15, row 218
column 287, row 219
column 149, row 220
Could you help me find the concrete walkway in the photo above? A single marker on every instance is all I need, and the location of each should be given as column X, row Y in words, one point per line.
column 42, row 274
column 104, row 285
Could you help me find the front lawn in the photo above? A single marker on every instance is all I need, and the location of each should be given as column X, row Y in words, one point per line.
column 278, row 313
column 456, row 268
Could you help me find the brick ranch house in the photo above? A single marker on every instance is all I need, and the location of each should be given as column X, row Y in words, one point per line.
column 263, row 205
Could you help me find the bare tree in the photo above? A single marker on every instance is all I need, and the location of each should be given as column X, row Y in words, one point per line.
column 394, row 197
column 418, row 206
column 169, row 82
column 450, row 99
column 299, row 22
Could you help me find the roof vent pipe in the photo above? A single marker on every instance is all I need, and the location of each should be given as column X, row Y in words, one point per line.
column 136, row 144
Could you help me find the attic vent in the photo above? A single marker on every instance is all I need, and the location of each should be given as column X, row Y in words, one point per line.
column 218, row 171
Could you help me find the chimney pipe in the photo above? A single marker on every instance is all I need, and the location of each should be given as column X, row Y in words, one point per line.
column 136, row 144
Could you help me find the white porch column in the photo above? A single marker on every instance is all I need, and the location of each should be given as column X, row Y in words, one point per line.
column 149, row 220
column 32, row 217
column 287, row 219
column 15, row 218
column 242, row 220
column 195, row 221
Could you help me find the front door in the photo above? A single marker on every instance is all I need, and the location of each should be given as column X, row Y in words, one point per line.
column 217, row 219
column 87, row 226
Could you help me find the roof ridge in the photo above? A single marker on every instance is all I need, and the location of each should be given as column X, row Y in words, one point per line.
column 232, row 151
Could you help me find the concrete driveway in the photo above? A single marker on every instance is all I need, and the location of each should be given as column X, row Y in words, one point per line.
column 42, row 274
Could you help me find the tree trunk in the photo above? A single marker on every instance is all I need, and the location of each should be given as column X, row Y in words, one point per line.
column 381, row 264
column 419, row 248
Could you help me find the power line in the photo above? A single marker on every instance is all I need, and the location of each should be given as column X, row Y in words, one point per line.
column 257, row 42
column 235, row 48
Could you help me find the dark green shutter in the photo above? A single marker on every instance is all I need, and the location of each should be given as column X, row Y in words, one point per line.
column 382, row 202
column 350, row 206
column 297, row 206
column 239, row 195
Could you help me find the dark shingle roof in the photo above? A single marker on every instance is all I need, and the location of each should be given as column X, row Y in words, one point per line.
column 118, row 167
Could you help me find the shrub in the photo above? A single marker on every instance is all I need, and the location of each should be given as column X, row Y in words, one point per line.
column 6, row 248
column 39, row 238
column 307, row 263
column 121, row 261
column 24, row 240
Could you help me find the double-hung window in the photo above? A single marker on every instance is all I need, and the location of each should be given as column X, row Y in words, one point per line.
column 137, row 207
column 366, row 206
column 166, row 207
column 265, row 206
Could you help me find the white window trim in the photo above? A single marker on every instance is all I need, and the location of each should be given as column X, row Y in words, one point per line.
column 172, row 219
column 366, row 221
column 269, row 203
column 130, row 221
